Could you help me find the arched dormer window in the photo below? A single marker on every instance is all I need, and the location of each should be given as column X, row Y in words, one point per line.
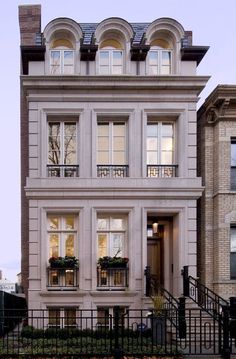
column 62, row 57
column 160, row 58
column 110, row 58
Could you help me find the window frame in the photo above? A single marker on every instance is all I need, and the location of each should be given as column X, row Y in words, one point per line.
column 62, row 66
column 111, row 51
column 159, row 65
column 232, row 254
column 61, row 318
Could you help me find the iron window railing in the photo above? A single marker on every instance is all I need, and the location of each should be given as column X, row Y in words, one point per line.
column 162, row 171
column 62, row 278
column 112, row 278
column 112, row 171
column 63, row 170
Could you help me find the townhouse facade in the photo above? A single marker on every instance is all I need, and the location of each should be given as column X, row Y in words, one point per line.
column 217, row 206
column 109, row 168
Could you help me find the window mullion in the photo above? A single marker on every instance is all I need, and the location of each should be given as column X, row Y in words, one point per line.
column 111, row 143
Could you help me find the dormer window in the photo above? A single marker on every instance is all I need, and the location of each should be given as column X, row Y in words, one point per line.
column 110, row 58
column 62, row 58
column 159, row 58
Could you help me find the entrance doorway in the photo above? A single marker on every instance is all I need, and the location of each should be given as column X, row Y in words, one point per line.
column 155, row 254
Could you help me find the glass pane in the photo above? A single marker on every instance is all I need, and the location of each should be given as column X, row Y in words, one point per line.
column 70, row 316
column 166, row 58
column 167, row 158
column 103, row 129
column 53, row 245
column 152, row 158
column 102, row 223
column 117, row 70
column 152, row 130
column 104, row 58
column 165, row 70
column 103, row 143
column 69, row 222
column 117, row 240
column 119, row 158
column 70, row 129
column 68, row 70
column 69, row 250
column 68, row 57
column 153, row 70
column 117, row 223
column 69, row 277
column 153, row 57
column 118, row 143
column 103, row 158
column 233, row 154
column 53, row 222
column 54, row 277
column 103, row 316
column 102, row 244
column 54, row 143
column 70, row 158
column 152, row 144
column 233, row 265
column 104, row 70
column 119, row 129
column 167, row 129
column 117, row 57
column 55, row 57
column 54, row 317
column 54, row 128
column 233, row 240
column 167, row 144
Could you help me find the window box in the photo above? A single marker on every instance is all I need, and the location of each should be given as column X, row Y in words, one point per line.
column 113, row 262
column 63, row 262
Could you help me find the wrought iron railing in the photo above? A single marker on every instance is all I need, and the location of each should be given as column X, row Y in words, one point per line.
column 161, row 171
column 63, row 170
column 62, row 278
column 112, row 171
column 112, row 278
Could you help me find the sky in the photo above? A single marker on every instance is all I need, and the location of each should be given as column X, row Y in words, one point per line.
column 212, row 22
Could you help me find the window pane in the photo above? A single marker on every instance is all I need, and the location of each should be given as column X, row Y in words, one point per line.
column 167, row 129
column 102, row 223
column 68, row 57
column 53, row 222
column 153, row 70
column 166, row 58
column 103, row 143
column 54, row 317
column 118, row 143
column 119, row 129
column 117, row 70
column 152, row 130
column 69, row 250
column 152, row 158
column 117, row 223
column 165, row 70
column 102, row 244
column 69, row 222
column 70, row 316
column 103, row 129
column 103, row 158
column 152, row 144
column 233, row 154
column 153, row 57
column 233, row 239
column 104, row 70
column 167, row 144
column 104, row 58
column 53, row 245
column 119, row 158
column 117, row 240
column 117, row 57
column 167, row 158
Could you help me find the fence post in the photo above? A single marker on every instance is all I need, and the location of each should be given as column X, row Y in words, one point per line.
column 181, row 318
column 147, row 273
column 185, row 281
column 118, row 352
column 226, row 345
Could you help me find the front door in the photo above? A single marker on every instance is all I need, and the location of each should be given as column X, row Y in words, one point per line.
column 155, row 258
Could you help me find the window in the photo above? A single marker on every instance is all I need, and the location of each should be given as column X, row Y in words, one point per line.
column 111, row 149
column 111, row 235
column 159, row 58
column 62, row 317
column 110, row 62
column 160, row 149
column 105, row 316
column 62, row 58
column 62, row 149
column 62, row 234
column 233, row 252
column 233, row 164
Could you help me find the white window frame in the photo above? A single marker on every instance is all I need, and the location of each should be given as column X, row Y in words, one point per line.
column 62, row 65
column 109, row 232
column 159, row 64
column 111, row 66
column 62, row 232
column 111, row 124
column 159, row 138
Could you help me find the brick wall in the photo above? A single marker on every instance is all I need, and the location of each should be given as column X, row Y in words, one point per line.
column 30, row 23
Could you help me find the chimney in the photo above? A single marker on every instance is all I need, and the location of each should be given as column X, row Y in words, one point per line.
column 30, row 24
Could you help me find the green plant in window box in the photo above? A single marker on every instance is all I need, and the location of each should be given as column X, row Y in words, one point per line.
column 112, row 262
column 64, row 262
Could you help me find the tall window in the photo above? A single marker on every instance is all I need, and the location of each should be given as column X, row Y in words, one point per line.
column 160, row 149
column 62, row 149
column 62, row 317
column 159, row 58
column 111, row 235
column 233, row 164
column 62, row 235
column 233, row 252
column 111, row 149
column 110, row 58
column 62, row 58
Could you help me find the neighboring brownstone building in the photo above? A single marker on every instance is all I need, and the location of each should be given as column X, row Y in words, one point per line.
column 217, row 206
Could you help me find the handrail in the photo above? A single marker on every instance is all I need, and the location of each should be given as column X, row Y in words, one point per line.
column 208, row 300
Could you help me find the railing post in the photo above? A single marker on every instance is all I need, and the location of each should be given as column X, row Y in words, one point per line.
column 185, row 281
column 181, row 318
column 226, row 345
column 118, row 352
column 147, row 273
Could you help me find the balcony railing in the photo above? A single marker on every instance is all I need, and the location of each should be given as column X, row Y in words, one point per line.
column 62, row 278
column 63, row 170
column 112, row 278
column 112, row 171
column 162, row 171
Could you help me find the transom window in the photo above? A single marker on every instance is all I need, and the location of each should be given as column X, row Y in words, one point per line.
column 159, row 58
column 62, row 148
column 111, row 235
column 62, row 235
column 62, row 58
